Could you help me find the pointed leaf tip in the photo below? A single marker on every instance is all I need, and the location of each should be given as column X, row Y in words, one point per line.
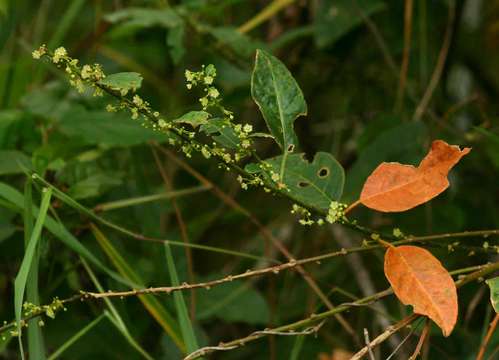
column 278, row 97
column 394, row 187
column 420, row 280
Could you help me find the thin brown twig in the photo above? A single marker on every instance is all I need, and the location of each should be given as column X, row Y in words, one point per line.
column 437, row 72
column 368, row 344
column 422, row 339
column 275, row 270
column 264, row 232
column 340, row 308
column 486, row 339
column 385, row 335
column 408, row 12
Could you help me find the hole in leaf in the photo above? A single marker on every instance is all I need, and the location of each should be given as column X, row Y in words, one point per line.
column 291, row 147
column 303, row 184
column 323, row 172
column 304, row 157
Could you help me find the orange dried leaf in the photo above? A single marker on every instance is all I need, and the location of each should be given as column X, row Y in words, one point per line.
column 397, row 187
column 420, row 280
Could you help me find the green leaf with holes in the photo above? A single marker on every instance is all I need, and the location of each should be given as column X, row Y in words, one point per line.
column 221, row 132
column 122, row 82
column 314, row 184
column 278, row 96
column 494, row 292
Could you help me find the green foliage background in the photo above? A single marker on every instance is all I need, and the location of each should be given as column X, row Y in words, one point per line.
column 345, row 56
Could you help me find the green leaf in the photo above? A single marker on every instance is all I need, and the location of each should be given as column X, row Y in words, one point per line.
column 494, row 292
column 335, row 18
column 123, row 82
column 194, row 118
column 221, row 132
column 29, row 254
column 402, row 143
column 314, row 184
column 279, row 98
column 13, row 161
column 227, row 301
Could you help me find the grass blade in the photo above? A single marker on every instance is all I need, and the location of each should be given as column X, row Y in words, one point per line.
column 151, row 304
column 150, row 198
column 76, row 337
column 36, row 346
column 60, row 232
column 22, row 275
column 79, row 207
column 114, row 315
column 183, row 315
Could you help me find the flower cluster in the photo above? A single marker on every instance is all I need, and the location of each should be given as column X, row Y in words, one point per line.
column 205, row 77
column 92, row 76
column 336, row 212
column 50, row 310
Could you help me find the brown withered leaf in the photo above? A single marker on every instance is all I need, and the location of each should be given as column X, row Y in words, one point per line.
column 420, row 280
column 396, row 187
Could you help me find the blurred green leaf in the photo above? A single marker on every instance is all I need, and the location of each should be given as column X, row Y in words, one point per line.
column 123, row 82
column 314, row 184
column 335, row 18
column 144, row 17
column 13, row 161
column 130, row 20
column 233, row 302
column 94, row 185
column 279, row 98
column 241, row 44
column 106, row 129
column 175, row 42
column 494, row 292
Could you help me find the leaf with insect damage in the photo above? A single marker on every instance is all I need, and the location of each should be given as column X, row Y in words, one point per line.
column 315, row 184
column 396, row 187
column 420, row 280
